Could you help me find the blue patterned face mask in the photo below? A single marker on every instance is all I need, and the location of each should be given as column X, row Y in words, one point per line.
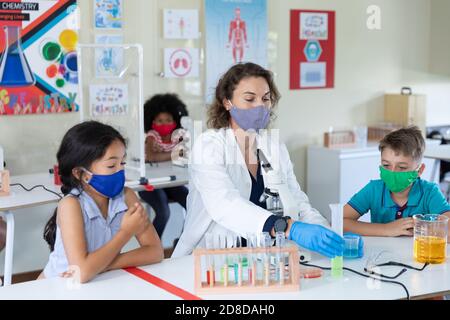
column 255, row 118
column 108, row 185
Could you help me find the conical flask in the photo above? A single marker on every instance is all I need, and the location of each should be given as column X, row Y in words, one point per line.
column 14, row 68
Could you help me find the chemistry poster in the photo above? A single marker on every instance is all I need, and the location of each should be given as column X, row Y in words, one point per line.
column 38, row 63
column 236, row 31
column 312, row 49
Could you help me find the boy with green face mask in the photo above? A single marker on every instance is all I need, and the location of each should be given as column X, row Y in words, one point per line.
column 400, row 193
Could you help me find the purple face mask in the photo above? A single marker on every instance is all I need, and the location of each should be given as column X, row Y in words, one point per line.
column 255, row 118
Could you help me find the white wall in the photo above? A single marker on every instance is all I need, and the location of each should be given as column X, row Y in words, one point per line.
column 368, row 64
column 438, row 86
column 440, row 39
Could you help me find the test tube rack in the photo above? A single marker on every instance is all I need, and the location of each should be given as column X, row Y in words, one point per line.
column 4, row 183
column 259, row 286
column 376, row 133
column 339, row 139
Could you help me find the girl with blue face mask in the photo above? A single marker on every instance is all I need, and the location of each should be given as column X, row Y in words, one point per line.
column 97, row 216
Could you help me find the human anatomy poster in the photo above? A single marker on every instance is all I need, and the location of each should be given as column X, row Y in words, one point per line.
column 236, row 31
column 181, row 24
column 312, row 51
column 38, row 60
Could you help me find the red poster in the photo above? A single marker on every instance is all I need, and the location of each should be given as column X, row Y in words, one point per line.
column 312, row 49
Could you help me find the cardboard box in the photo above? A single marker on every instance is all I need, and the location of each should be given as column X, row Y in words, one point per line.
column 406, row 110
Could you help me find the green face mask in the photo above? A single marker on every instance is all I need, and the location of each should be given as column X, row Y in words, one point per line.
column 398, row 181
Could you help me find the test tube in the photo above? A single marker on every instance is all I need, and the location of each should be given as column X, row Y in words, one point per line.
column 337, row 224
column 224, row 260
column 259, row 275
column 205, row 264
column 238, row 262
column 252, row 243
column 230, row 260
column 265, row 243
column 210, row 274
column 280, row 239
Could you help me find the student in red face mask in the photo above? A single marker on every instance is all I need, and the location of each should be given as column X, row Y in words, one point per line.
column 162, row 115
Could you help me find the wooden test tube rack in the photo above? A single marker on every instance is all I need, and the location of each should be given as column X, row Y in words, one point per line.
column 339, row 139
column 291, row 284
column 4, row 183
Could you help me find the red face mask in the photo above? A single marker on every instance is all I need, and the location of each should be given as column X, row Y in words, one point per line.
column 164, row 129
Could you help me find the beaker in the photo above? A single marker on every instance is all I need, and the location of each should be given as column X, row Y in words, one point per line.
column 351, row 246
column 430, row 238
column 14, row 68
column 360, row 135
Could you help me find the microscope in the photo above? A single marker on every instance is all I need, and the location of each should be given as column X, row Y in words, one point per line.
column 276, row 192
column 278, row 197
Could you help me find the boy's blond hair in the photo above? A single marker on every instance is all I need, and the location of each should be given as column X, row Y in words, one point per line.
column 408, row 141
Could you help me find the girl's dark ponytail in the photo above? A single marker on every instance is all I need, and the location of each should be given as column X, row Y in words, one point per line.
column 50, row 226
column 80, row 147
column 50, row 231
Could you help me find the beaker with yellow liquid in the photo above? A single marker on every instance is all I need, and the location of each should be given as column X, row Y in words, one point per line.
column 430, row 238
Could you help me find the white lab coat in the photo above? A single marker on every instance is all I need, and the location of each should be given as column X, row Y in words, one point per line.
column 220, row 187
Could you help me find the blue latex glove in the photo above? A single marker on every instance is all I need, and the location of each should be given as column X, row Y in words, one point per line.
column 317, row 238
column 361, row 243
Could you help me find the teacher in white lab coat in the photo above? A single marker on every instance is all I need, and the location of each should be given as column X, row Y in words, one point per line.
column 226, row 182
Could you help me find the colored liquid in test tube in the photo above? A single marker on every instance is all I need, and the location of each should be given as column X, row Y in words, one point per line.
column 337, row 224
column 266, row 243
column 229, row 259
column 238, row 262
column 280, row 241
column 210, row 273
column 259, row 262
column 252, row 259
column 224, row 261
